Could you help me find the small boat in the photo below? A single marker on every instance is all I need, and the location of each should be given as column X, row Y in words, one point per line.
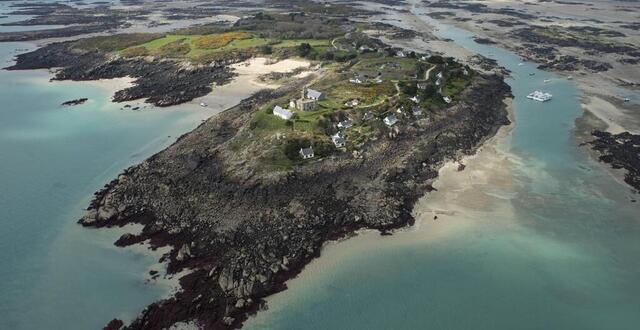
column 626, row 99
column 520, row 64
column 540, row 96
column 547, row 81
column 532, row 74
column 202, row 104
column 570, row 78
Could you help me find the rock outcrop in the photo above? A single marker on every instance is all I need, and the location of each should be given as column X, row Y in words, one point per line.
column 620, row 151
column 162, row 82
column 243, row 232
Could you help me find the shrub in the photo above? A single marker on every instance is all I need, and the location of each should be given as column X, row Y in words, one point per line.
column 304, row 49
column 293, row 146
column 214, row 41
column 266, row 49
column 135, row 52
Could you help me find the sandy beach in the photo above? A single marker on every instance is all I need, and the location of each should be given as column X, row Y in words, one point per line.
column 243, row 85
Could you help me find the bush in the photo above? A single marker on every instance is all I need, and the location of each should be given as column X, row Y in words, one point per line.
column 266, row 49
column 214, row 41
column 175, row 48
column 436, row 59
column 135, row 52
column 293, row 146
column 304, row 49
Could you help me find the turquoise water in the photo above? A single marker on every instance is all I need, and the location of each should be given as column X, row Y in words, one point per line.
column 55, row 274
column 564, row 254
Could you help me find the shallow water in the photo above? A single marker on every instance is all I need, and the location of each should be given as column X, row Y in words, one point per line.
column 55, row 274
column 544, row 238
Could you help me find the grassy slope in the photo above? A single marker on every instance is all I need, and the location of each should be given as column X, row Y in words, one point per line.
column 154, row 47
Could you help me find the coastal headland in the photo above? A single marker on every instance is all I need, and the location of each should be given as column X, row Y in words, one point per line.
column 351, row 141
column 237, row 199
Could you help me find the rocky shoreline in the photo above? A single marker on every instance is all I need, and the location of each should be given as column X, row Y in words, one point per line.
column 620, row 151
column 243, row 233
column 162, row 82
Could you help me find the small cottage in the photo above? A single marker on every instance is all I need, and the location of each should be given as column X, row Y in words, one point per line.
column 285, row 114
column 338, row 140
column 345, row 124
column 390, row 120
column 313, row 94
column 306, row 153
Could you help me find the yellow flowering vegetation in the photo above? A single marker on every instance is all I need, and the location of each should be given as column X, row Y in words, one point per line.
column 218, row 40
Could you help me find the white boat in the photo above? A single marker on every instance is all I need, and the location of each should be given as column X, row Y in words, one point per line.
column 540, row 96
column 626, row 99
column 570, row 77
column 547, row 81
column 520, row 64
column 202, row 104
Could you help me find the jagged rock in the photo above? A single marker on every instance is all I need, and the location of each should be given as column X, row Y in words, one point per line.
column 228, row 320
column 183, row 253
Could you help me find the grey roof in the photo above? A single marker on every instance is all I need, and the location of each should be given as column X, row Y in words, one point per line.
column 283, row 113
column 338, row 139
column 306, row 151
column 345, row 123
column 390, row 119
column 313, row 94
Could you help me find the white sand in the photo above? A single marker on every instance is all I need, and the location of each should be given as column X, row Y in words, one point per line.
column 111, row 85
column 244, row 85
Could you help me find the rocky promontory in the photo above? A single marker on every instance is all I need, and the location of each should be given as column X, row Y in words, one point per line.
column 620, row 151
column 242, row 231
column 163, row 82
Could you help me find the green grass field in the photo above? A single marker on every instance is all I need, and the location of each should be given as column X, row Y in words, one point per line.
column 392, row 68
column 156, row 46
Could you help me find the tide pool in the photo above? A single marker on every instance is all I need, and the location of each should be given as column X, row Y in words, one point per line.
column 538, row 237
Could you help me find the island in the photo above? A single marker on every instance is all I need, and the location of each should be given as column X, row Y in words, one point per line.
column 250, row 196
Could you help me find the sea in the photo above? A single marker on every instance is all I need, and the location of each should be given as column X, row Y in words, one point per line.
column 547, row 239
column 54, row 274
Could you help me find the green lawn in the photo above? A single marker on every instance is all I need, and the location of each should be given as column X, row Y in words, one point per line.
column 155, row 47
column 394, row 68
column 454, row 87
column 264, row 123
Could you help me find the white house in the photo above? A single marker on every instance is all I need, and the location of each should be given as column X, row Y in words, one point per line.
column 352, row 103
column 313, row 94
column 282, row 113
column 390, row 120
column 446, row 99
column 306, row 153
column 358, row 79
column 338, row 140
column 414, row 99
column 345, row 124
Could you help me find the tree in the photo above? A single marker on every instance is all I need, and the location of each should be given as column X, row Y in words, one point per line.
column 304, row 49
column 266, row 49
